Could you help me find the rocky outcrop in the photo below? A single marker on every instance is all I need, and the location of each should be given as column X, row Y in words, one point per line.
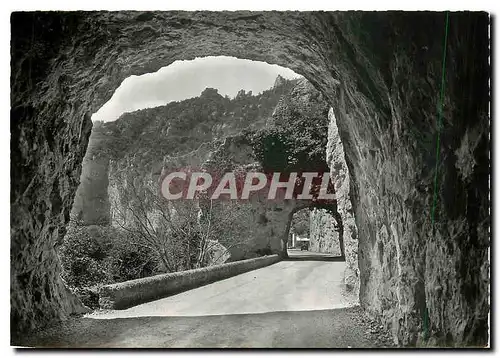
column 418, row 183
column 91, row 205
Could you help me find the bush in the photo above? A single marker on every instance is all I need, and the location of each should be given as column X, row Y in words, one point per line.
column 84, row 255
column 131, row 261
column 88, row 296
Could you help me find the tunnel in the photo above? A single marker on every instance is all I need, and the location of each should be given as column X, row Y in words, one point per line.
column 418, row 174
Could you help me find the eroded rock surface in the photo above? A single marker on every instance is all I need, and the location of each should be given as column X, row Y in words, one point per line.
column 342, row 182
column 423, row 274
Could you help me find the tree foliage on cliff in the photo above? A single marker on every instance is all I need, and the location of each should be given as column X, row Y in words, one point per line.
column 297, row 138
column 295, row 141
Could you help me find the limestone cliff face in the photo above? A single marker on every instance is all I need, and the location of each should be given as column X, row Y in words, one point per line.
column 91, row 205
column 420, row 216
column 423, row 257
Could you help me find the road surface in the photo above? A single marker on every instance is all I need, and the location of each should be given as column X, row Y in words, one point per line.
column 288, row 304
column 283, row 287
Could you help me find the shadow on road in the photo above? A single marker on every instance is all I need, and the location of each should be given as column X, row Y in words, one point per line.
column 304, row 329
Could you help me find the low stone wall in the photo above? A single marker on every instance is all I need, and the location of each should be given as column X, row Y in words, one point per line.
column 129, row 293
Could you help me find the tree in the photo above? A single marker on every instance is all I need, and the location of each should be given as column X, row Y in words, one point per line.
column 300, row 222
column 182, row 234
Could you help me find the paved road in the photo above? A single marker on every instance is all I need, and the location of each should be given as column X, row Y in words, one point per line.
column 288, row 304
column 285, row 286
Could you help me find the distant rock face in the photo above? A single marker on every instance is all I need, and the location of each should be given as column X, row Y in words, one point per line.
column 280, row 80
column 421, row 209
column 91, row 205
column 323, row 234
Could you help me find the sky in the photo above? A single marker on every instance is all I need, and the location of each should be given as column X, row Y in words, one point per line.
column 187, row 79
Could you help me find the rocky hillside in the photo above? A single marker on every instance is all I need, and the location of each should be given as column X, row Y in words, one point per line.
column 283, row 129
column 145, row 138
column 294, row 141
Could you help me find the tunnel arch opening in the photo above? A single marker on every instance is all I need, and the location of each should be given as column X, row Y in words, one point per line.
column 148, row 142
column 176, row 133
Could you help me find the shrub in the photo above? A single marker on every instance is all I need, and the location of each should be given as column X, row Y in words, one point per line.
column 83, row 256
column 92, row 256
column 88, row 296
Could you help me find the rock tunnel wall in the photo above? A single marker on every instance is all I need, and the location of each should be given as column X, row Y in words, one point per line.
column 381, row 73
